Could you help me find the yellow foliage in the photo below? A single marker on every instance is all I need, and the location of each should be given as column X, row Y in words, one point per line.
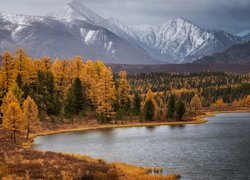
column 195, row 103
column 30, row 114
column 106, row 93
column 13, row 118
column 219, row 104
column 247, row 101
column 123, row 89
column 8, row 99
column 7, row 72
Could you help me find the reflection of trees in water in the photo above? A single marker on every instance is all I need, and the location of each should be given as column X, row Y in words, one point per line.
column 107, row 132
column 150, row 128
column 179, row 126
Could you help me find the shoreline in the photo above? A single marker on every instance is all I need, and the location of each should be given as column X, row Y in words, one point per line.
column 200, row 119
column 111, row 126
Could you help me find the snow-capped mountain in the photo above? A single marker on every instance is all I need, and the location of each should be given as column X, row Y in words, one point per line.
column 77, row 30
column 180, row 41
column 244, row 33
column 75, row 10
column 42, row 36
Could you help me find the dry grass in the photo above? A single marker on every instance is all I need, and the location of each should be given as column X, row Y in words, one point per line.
column 135, row 172
column 17, row 162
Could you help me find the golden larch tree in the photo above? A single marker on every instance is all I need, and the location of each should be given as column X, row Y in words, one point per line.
column 13, row 119
column 60, row 70
column 124, row 88
column 7, row 100
column 30, row 111
column 195, row 103
column 219, row 104
column 247, row 101
column 22, row 64
column 106, row 95
column 8, row 71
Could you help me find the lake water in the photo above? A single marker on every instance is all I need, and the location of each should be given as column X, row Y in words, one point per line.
column 219, row 149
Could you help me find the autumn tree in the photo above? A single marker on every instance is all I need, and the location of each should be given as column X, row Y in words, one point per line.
column 30, row 111
column 124, row 92
column 149, row 110
column 180, row 110
column 17, row 91
column 13, row 119
column 106, row 96
column 219, row 104
column 8, row 71
column 171, row 106
column 22, row 64
column 60, row 70
column 247, row 101
column 8, row 99
column 196, row 103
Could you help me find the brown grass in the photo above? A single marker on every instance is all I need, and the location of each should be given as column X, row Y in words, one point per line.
column 17, row 162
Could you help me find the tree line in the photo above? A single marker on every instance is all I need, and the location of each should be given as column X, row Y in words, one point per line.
column 32, row 90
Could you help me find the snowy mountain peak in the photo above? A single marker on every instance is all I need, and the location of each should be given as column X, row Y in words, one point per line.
column 75, row 10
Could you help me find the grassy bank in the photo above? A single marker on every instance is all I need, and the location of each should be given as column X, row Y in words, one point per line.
column 85, row 127
column 21, row 163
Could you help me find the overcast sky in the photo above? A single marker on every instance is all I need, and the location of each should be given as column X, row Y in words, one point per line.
column 230, row 15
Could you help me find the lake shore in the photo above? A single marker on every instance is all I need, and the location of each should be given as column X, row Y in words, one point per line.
column 199, row 119
column 107, row 126
column 132, row 170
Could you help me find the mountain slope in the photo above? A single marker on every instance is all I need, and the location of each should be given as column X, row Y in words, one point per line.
column 180, row 41
column 77, row 30
column 237, row 54
column 42, row 36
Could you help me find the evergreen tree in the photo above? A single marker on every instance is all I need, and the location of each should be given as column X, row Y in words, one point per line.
column 80, row 103
column 149, row 110
column 137, row 104
column 171, row 106
column 180, row 109
column 70, row 104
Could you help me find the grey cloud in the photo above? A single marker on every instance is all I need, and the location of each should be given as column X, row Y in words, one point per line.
column 230, row 15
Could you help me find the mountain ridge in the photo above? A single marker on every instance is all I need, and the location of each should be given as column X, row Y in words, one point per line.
column 237, row 54
column 92, row 36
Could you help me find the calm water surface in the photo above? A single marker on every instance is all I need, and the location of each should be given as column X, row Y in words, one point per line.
column 219, row 149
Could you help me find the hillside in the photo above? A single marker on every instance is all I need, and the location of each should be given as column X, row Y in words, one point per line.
column 78, row 30
column 237, row 54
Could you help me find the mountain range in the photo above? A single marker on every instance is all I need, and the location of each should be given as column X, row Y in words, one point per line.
column 77, row 30
column 237, row 54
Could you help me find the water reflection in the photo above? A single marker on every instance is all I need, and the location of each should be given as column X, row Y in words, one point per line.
column 208, row 151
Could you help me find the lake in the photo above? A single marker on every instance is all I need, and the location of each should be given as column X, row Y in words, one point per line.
column 219, row 149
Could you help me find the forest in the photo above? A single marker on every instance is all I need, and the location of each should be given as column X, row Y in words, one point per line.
column 37, row 90
column 48, row 95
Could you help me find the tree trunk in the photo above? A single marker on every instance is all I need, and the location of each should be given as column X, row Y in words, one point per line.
column 14, row 136
column 28, row 132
